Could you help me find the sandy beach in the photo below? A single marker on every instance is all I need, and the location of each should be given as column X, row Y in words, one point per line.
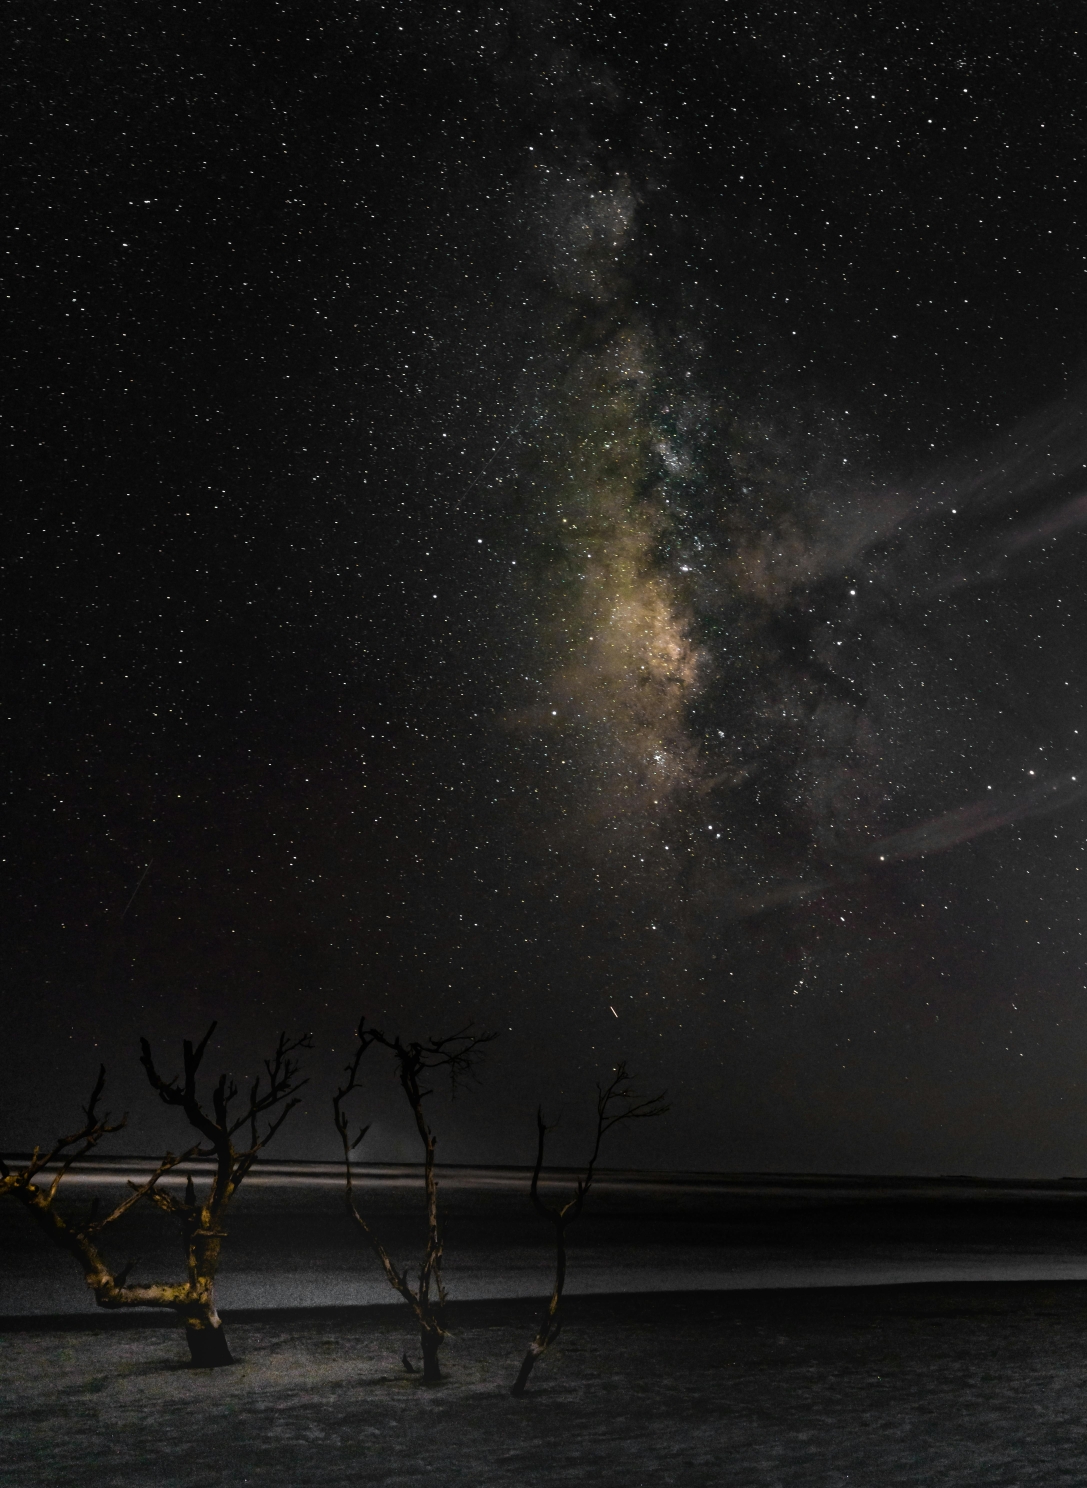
column 949, row 1385
column 759, row 1332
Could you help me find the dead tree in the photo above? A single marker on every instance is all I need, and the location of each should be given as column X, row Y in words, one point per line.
column 458, row 1053
column 615, row 1102
column 201, row 1219
column 81, row 1237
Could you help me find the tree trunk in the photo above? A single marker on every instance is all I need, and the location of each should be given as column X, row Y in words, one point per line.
column 431, row 1341
column 208, row 1347
column 534, row 1352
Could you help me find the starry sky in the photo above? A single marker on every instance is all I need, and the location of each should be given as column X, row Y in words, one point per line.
column 563, row 517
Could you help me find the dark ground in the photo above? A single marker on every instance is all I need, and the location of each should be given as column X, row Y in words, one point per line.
column 957, row 1386
column 660, row 1378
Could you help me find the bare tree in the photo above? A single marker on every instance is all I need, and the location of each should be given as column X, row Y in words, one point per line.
column 80, row 1237
column 201, row 1220
column 458, row 1053
column 615, row 1102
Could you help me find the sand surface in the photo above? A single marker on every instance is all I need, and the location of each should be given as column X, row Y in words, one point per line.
column 718, row 1334
column 957, row 1386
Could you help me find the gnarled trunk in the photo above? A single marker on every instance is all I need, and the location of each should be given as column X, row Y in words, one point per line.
column 206, row 1338
column 431, row 1341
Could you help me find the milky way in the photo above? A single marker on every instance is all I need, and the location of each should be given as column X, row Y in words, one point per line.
column 570, row 517
column 711, row 644
column 619, row 669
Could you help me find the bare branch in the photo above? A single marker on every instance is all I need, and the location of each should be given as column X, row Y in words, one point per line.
column 66, row 1150
column 90, row 1110
column 542, row 1130
column 200, row 1222
column 219, row 1129
column 615, row 1102
column 184, row 1096
column 396, row 1279
column 282, row 1072
column 458, row 1053
column 194, row 1056
column 140, row 1191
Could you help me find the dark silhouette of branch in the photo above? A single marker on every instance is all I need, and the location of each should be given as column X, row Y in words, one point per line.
column 68, row 1150
column 457, row 1054
column 615, row 1102
column 80, row 1239
column 200, row 1219
column 64, row 1153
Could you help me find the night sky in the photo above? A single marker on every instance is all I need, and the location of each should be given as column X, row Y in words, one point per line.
column 563, row 517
